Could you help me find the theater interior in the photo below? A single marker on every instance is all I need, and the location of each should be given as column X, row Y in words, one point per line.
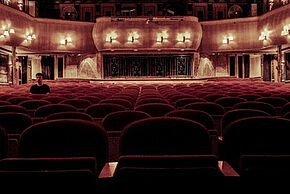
column 156, row 97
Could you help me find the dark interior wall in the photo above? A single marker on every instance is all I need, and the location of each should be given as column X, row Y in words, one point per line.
column 267, row 67
column 47, row 66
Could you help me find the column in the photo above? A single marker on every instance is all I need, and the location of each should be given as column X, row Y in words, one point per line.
column 279, row 66
column 15, row 76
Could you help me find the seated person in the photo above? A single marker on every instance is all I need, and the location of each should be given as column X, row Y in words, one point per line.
column 39, row 88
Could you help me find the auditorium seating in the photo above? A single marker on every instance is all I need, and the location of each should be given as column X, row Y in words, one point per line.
column 178, row 101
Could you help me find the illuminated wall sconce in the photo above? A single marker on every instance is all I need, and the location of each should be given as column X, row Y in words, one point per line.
column 111, row 37
column 7, row 32
column 133, row 37
column 29, row 37
column 286, row 30
column 66, row 41
column 162, row 37
column 264, row 35
column 183, row 37
column 227, row 40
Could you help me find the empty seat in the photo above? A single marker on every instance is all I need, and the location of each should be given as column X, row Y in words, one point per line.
column 184, row 101
column 70, row 115
column 64, row 138
column 199, row 116
column 257, row 106
column 15, row 123
column 213, row 97
column 32, row 105
column 151, row 100
column 285, row 108
column 48, row 109
column 164, row 150
column 155, row 109
column 209, row 107
column 13, row 108
column 4, row 102
column 17, row 100
column 287, row 115
column 261, row 135
column 92, row 99
column 119, row 101
column 54, row 99
column 277, row 102
column 250, row 97
column 116, row 121
column 165, row 135
column 80, row 104
column 236, row 114
column 229, row 102
column 101, row 110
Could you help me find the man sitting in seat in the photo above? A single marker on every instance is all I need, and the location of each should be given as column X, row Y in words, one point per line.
column 39, row 88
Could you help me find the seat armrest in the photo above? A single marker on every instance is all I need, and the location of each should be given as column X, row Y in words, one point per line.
column 108, row 170
column 226, row 169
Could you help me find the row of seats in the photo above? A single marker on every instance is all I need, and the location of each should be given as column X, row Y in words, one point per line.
column 157, row 147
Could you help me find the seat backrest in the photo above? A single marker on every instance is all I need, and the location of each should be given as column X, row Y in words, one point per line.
column 213, row 97
column 155, row 109
column 17, row 100
column 45, row 110
column 229, row 101
column 33, row 104
column 184, row 101
column 209, row 107
column 13, row 108
column 54, row 99
column 151, row 100
column 15, row 123
column 120, row 101
column 250, row 97
column 286, row 108
column 3, row 143
column 5, row 102
column 274, row 101
column 236, row 114
column 164, row 135
column 102, row 109
column 256, row 136
column 116, row 121
column 64, row 138
column 194, row 115
column 287, row 115
column 92, row 99
column 78, row 103
column 257, row 106
column 70, row 115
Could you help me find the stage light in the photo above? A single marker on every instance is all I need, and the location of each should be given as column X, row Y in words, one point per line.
column 286, row 30
column 228, row 39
